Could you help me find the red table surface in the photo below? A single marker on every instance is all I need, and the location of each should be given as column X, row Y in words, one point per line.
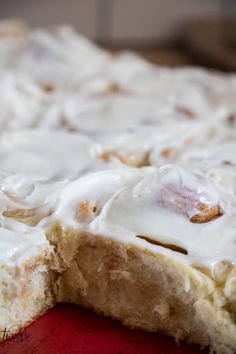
column 70, row 329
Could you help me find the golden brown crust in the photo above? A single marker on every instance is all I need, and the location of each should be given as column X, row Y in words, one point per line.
column 137, row 161
column 206, row 214
column 30, row 217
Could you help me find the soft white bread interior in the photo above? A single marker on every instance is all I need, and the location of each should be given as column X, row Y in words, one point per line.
column 25, row 293
column 143, row 289
column 26, row 279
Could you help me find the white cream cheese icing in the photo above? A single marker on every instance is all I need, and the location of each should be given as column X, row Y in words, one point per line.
column 16, row 246
column 136, row 211
column 47, row 155
column 65, row 56
column 120, row 104
column 22, row 101
column 96, row 189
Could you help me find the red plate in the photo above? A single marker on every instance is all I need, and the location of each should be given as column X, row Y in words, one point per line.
column 70, row 329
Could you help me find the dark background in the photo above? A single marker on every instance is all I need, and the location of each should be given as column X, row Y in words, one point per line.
column 173, row 32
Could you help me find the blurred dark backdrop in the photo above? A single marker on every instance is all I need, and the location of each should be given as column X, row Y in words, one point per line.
column 174, row 32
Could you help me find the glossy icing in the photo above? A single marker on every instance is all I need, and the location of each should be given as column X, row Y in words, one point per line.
column 70, row 125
